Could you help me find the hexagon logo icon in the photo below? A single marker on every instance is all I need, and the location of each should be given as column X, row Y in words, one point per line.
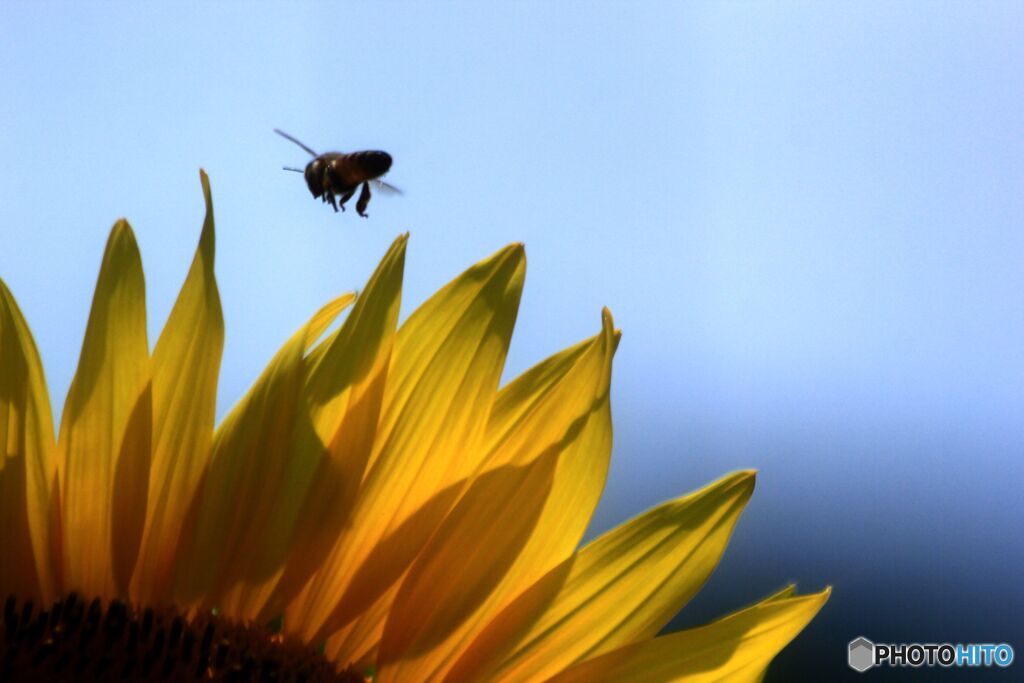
column 861, row 654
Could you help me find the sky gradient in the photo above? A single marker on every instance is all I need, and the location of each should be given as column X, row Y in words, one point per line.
column 806, row 217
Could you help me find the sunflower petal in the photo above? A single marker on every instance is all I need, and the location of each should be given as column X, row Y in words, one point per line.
column 343, row 391
column 106, row 428
column 445, row 368
column 248, row 472
column 558, row 410
column 621, row 588
column 552, row 398
column 458, row 569
column 28, row 470
column 738, row 647
column 185, row 366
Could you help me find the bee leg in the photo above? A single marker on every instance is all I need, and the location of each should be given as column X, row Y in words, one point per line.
column 347, row 196
column 329, row 190
column 364, row 199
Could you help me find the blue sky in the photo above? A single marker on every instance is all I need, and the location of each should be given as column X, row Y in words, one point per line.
column 806, row 217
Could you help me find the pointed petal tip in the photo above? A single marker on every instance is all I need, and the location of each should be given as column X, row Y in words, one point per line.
column 122, row 234
column 6, row 295
column 609, row 330
column 400, row 243
column 204, row 181
column 341, row 301
column 747, row 477
column 207, row 238
column 394, row 257
column 790, row 593
column 787, row 591
column 510, row 259
column 817, row 599
column 738, row 485
column 515, row 251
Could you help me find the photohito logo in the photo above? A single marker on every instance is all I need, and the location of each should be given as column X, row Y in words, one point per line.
column 862, row 654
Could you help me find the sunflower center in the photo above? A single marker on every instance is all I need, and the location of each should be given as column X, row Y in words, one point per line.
column 74, row 640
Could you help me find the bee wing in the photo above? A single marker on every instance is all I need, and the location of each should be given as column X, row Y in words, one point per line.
column 385, row 188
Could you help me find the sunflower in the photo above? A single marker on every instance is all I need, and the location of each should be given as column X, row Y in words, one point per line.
column 374, row 507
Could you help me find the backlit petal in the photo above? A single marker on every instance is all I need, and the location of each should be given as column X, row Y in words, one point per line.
column 621, row 588
column 185, row 365
column 28, row 470
column 342, row 392
column 105, row 430
column 735, row 648
column 444, row 373
column 557, row 413
column 248, row 472
column 458, row 568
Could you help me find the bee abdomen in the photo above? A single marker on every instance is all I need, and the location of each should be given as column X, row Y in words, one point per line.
column 372, row 163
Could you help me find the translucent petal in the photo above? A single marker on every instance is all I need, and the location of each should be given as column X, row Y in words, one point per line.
column 457, row 570
column 621, row 588
column 106, row 429
column 444, row 373
column 736, row 648
column 185, row 367
column 342, row 393
column 28, row 470
column 248, row 472
column 556, row 413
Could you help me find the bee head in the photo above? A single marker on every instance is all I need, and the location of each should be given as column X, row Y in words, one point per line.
column 315, row 177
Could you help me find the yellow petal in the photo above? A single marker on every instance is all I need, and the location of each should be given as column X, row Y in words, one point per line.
column 444, row 373
column 185, row 366
column 28, row 471
column 757, row 673
column 106, row 428
column 248, row 472
column 621, row 588
column 557, row 411
column 460, row 566
column 735, row 648
column 567, row 389
column 343, row 393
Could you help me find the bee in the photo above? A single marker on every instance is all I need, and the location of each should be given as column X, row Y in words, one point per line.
column 337, row 173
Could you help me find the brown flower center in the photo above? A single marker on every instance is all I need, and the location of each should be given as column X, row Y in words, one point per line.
column 73, row 640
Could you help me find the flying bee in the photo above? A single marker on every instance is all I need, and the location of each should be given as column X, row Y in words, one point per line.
column 337, row 173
